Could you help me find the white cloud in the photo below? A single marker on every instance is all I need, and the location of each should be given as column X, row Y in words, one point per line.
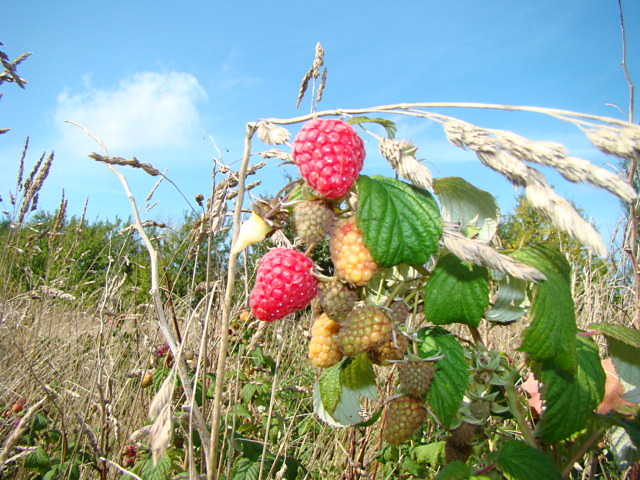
column 147, row 110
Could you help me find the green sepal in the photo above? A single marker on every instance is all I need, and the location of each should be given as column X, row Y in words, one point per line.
column 457, row 292
column 389, row 126
column 400, row 223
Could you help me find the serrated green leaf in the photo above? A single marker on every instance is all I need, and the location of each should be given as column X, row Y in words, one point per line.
column 400, row 223
column 550, row 335
column 455, row 470
column 412, row 467
column 470, row 207
column 159, row 471
column 388, row 125
column 630, row 336
column 247, row 469
column 570, row 398
column 624, row 349
column 37, row 460
column 631, row 426
column 358, row 374
column 39, row 422
column 450, row 380
column 430, row 453
column 626, row 359
column 509, row 303
column 624, row 451
column 347, row 410
column 457, row 292
column 519, row 461
column 247, row 392
column 329, row 384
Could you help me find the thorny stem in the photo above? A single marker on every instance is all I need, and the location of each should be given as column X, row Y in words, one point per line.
column 516, row 410
column 212, row 462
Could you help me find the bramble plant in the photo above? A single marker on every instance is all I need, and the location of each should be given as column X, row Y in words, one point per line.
column 427, row 244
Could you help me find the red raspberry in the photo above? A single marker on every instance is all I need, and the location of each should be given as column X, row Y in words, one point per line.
column 329, row 155
column 284, row 284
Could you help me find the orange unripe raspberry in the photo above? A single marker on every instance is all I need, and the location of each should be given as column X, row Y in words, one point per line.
column 350, row 256
column 404, row 415
column 364, row 328
column 323, row 346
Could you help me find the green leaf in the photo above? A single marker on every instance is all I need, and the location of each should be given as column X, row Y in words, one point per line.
column 247, row 469
column 388, row 125
column 624, row 451
column 451, row 378
column 457, row 292
column 550, row 335
column 624, row 349
column 37, row 460
column 626, row 359
column 519, row 461
column 468, row 206
column 336, row 396
column 630, row 336
column 412, row 467
column 358, row 374
column 400, row 223
column 430, row 453
column 247, row 392
column 39, row 422
column 159, row 471
column 329, row 384
column 631, row 426
column 509, row 303
column 570, row 398
column 455, row 470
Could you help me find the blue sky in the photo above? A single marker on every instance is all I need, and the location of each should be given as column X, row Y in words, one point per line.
column 158, row 80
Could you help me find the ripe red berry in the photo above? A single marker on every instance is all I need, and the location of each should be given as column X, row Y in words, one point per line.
column 329, row 155
column 284, row 284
